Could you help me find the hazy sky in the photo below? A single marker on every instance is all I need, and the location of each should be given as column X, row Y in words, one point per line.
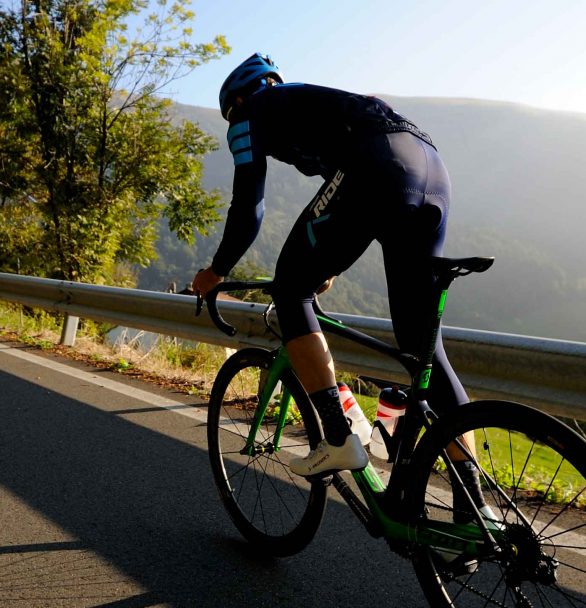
column 527, row 51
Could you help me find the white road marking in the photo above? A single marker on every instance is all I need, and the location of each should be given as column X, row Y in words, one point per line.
column 111, row 385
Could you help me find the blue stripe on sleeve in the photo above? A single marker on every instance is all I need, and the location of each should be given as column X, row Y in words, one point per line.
column 240, row 143
column 243, row 157
column 240, row 128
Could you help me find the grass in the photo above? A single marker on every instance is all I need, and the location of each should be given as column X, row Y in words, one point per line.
column 368, row 405
column 529, row 465
column 190, row 368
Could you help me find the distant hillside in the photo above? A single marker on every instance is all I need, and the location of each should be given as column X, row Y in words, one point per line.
column 519, row 187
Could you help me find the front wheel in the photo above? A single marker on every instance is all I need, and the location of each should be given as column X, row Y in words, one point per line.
column 274, row 509
column 533, row 471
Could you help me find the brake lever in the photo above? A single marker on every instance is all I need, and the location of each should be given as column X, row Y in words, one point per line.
column 198, row 304
column 199, row 300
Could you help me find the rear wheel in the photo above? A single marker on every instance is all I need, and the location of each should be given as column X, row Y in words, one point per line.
column 273, row 508
column 533, row 478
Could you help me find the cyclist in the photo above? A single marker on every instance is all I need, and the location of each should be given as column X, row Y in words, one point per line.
column 384, row 181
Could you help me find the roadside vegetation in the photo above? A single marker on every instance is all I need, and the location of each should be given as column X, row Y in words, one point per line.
column 90, row 161
column 186, row 367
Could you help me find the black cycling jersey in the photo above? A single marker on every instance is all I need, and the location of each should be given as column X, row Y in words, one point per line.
column 384, row 181
column 319, row 130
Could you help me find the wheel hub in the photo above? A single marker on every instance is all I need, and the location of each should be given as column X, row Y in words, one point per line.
column 524, row 559
column 257, row 450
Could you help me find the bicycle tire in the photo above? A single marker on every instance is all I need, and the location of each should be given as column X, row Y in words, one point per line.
column 516, row 445
column 275, row 510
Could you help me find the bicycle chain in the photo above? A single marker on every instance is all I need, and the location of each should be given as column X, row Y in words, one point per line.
column 477, row 592
column 446, row 508
column 463, row 584
column 406, row 552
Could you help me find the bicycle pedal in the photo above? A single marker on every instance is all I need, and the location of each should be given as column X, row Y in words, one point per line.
column 324, row 480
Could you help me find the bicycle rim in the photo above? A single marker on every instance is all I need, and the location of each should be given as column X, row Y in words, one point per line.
column 274, row 509
column 533, row 478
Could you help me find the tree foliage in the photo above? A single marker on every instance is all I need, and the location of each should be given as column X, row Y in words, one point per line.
column 90, row 159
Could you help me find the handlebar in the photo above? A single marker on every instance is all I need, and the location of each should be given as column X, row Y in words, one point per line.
column 410, row 362
column 212, row 305
column 211, row 301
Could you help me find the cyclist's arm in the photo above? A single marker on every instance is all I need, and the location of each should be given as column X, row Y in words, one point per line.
column 247, row 206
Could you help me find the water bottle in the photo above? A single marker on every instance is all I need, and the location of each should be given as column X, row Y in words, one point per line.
column 356, row 419
column 391, row 406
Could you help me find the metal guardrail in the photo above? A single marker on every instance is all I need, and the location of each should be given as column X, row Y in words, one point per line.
column 549, row 374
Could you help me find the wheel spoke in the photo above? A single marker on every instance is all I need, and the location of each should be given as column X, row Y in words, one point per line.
column 578, row 527
column 564, row 509
column 549, row 487
column 542, row 596
column 526, row 461
column 572, row 599
column 520, row 478
column 568, row 565
column 267, row 502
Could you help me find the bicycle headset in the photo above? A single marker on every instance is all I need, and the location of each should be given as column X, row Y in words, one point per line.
column 246, row 79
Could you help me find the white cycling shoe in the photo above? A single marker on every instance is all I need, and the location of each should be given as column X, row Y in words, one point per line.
column 492, row 521
column 326, row 458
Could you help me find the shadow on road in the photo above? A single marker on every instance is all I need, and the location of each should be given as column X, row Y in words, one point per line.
column 146, row 503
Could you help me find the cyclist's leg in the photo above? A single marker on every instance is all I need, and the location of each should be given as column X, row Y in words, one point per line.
column 417, row 233
column 315, row 251
column 411, row 289
column 425, row 202
column 327, row 238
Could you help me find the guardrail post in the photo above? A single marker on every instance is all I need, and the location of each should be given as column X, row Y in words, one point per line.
column 69, row 330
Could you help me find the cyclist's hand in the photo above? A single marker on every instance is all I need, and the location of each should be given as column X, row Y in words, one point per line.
column 325, row 285
column 205, row 281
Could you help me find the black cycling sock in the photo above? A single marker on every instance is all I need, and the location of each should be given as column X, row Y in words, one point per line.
column 328, row 406
column 470, row 475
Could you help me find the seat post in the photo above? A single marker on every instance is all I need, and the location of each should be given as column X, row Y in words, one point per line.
column 445, row 270
column 421, row 381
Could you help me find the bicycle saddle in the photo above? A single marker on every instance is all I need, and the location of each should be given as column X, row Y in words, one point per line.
column 457, row 267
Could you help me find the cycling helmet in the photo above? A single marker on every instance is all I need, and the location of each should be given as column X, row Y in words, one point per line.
column 248, row 77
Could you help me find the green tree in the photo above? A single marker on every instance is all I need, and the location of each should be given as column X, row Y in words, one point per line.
column 89, row 158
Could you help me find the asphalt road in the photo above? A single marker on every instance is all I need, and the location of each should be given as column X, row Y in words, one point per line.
column 106, row 499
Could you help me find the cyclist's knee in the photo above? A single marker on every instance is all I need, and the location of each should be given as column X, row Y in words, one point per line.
column 295, row 311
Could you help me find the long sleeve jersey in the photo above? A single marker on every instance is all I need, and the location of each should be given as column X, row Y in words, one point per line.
column 314, row 128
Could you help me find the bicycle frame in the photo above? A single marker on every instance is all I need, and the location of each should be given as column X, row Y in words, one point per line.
column 384, row 512
column 376, row 515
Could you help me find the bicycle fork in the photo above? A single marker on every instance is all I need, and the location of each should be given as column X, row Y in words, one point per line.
column 269, row 383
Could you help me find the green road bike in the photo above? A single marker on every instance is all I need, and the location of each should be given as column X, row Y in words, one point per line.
column 532, row 466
